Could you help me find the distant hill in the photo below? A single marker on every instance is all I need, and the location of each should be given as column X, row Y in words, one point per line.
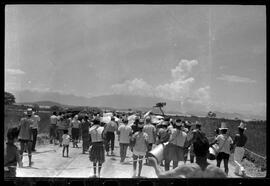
column 121, row 102
column 43, row 103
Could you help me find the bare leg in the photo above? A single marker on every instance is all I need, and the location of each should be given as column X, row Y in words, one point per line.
column 140, row 165
column 99, row 168
column 134, row 164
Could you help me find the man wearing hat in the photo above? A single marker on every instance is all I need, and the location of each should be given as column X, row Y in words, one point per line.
column 174, row 151
column 240, row 141
column 140, row 148
column 25, row 135
column 224, row 142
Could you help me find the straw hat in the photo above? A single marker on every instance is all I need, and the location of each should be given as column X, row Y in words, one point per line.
column 242, row 126
column 178, row 123
column 29, row 111
column 223, row 126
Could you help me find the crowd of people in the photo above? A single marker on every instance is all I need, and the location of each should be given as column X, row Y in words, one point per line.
column 182, row 138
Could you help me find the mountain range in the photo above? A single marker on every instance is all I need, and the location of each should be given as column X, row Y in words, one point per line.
column 120, row 102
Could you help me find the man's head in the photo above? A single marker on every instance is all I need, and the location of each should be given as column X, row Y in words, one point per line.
column 12, row 133
column 29, row 112
column 54, row 113
column 147, row 120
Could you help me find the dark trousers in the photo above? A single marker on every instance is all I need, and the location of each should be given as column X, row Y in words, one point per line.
column 34, row 132
column 123, row 150
column 225, row 157
column 109, row 139
column 85, row 142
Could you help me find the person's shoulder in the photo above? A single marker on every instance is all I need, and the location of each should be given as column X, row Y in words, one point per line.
column 216, row 171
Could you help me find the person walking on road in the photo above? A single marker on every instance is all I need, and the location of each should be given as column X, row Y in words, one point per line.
column 124, row 132
column 195, row 133
column 109, row 131
column 97, row 152
column 150, row 130
column 202, row 168
column 53, row 122
column 225, row 144
column 174, row 151
column 240, row 141
column 140, row 148
column 85, row 125
column 61, row 126
column 75, row 130
column 11, row 153
column 25, row 135
column 65, row 141
column 35, row 128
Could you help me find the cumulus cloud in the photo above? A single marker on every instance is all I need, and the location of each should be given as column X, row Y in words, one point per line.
column 183, row 69
column 177, row 89
column 136, row 86
column 202, row 97
column 14, row 71
column 235, row 79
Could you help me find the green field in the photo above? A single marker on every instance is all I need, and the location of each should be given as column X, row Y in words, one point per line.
column 256, row 131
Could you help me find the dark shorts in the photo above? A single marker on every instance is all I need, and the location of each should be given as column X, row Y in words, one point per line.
column 173, row 152
column 223, row 156
column 53, row 131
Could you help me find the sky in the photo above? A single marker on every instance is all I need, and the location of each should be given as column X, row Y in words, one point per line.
column 212, row 56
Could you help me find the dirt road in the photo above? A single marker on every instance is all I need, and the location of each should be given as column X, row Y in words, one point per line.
column 48, row 162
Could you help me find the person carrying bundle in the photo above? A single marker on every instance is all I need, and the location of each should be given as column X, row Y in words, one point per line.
column 225, row 143
column 174, row 151
column 202, row 169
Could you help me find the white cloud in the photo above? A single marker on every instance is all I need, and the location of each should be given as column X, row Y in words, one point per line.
column 236, row 79
column 183, row 69
column 202, row 97
column 14, row 71
column 133, row 87
column 177, row 89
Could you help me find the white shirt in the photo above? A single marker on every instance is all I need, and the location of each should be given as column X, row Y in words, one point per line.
column 35, row 119
column 178, row 137
column 125, row 132
column 150, row 130
column 96, row 133
column 66, row 139
column 53, row 119
column 226, row 147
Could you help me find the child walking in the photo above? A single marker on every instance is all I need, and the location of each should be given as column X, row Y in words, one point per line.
column 65, row 141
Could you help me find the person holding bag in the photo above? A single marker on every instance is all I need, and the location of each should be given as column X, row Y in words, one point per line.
column 225, row 144
column 174, row 151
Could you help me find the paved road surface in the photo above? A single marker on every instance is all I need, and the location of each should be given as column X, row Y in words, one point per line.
column 48, row 162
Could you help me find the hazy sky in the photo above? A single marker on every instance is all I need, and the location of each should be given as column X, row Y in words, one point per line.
column 213, row 56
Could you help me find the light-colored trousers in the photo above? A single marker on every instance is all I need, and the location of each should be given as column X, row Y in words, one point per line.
column 238, row 156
